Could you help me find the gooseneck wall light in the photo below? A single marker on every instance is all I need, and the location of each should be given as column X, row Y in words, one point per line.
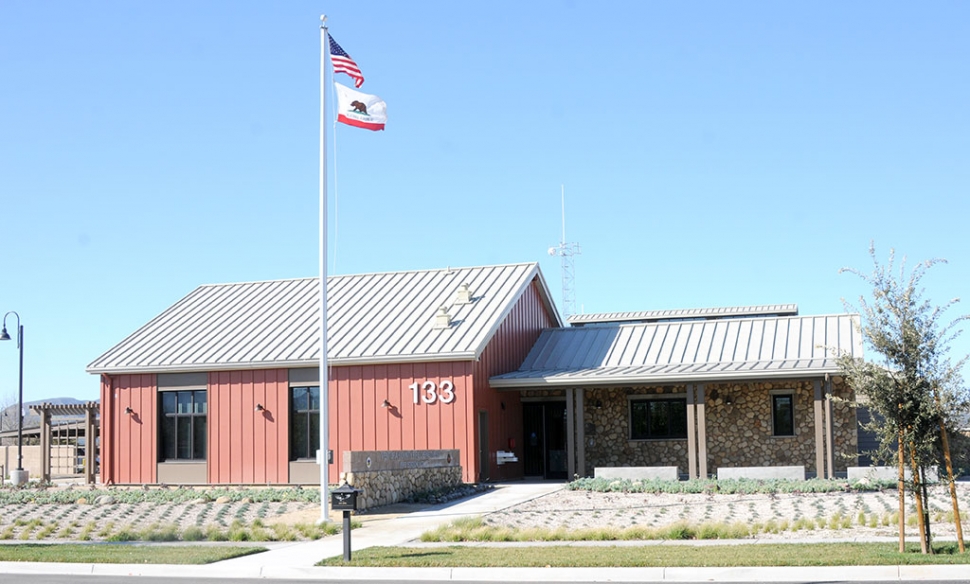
column 19, row 476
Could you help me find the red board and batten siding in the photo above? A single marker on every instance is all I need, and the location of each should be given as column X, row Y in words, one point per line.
column 506, row 352
column 128, row 441
column 252, row 447
column 358, row 422
column 248, row 446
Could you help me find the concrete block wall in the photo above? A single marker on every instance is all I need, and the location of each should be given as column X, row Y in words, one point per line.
column 8, row 458
column 64, row 460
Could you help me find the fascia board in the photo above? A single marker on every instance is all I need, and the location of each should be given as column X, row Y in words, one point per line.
column 419, row 358
column 613, row 380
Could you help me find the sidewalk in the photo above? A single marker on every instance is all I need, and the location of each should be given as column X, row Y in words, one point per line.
column 297, row 560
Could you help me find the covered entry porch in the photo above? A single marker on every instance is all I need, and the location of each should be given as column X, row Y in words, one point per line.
column 697, row 428
column 700, row 390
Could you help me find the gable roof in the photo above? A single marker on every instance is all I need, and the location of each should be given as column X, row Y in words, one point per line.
column 372, row 318
column 687, row 351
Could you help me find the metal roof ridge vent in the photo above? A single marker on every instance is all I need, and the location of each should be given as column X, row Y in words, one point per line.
column 464, row 295
column 442, row 320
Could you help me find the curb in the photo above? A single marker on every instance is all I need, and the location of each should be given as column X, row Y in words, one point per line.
column 775, row 574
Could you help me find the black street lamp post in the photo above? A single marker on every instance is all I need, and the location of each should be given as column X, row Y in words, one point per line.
column 19, row 476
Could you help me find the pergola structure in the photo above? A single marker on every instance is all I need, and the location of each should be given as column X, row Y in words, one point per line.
column 69, row 439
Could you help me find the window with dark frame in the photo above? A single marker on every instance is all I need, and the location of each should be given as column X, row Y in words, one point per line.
column 304, row 422
column 184, row 417
column 783, row 415
column 652, row 419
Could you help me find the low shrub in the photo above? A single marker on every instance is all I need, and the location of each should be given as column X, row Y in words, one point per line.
column 802, row 523
column 167, row 532
column 678, row 531
column 46, row 531
column 283, row 532
column 66, row 531
column 451, row 493
column 87, row 530
column 159, row 495
column 123, row 534
column 213, row 533
column 106, row 530
column 725, row 487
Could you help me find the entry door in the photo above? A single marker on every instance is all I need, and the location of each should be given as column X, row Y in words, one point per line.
column 545, row 439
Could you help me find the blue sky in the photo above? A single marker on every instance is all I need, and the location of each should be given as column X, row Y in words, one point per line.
column 713, row 153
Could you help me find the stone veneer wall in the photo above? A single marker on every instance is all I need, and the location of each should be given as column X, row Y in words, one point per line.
column 737, row 435
column 387, row 477
column 384, row 487
column 607, row 431
column 845, row 425
column 740, row 434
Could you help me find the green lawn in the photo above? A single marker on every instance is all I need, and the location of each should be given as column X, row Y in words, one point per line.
column 122, row 553
column 834, row 554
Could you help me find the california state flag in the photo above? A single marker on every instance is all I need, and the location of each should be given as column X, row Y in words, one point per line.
column 360, row 109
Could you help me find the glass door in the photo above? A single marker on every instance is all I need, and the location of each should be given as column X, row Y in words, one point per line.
column 545, row 439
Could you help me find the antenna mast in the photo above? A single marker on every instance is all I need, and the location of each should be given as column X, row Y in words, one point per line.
column 566, row 251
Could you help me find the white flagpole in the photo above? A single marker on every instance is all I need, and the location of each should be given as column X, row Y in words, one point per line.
column 324, row 389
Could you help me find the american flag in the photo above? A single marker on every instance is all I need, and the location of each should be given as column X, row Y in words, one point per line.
column 342, row 63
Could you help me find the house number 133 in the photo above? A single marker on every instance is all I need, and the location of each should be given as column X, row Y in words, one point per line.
column 431, row 392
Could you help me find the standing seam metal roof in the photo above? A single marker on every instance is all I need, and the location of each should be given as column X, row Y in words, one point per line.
column 682, row 351
column 371, row 318
column 683, row 314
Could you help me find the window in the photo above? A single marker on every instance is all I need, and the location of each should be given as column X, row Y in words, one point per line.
column 783, row 415
column 183, row 425
column 305, row 422
column 658, row 418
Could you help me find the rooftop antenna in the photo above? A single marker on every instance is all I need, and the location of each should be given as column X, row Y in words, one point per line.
column 566, row 251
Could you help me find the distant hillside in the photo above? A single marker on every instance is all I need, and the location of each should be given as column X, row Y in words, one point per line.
column 8, row 416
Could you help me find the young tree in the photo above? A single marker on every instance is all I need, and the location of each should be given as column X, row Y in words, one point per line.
column 8, row 413
column 913, row 389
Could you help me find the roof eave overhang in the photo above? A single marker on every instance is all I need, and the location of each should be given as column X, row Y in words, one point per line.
column 614, row 380
column 292, row 364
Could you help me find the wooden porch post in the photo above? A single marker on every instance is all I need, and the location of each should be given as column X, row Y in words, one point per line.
column 829, row 428
column 45, row 443
column 570, row 434
column 701, row 433
column 819, row 431
column 90, row 444
column 580, row 432
column 691, row 433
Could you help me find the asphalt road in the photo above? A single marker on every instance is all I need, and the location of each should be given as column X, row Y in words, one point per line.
column 74, row 579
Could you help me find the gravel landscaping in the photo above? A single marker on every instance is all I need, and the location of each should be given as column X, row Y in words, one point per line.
column 82, row 514
column 814, row 516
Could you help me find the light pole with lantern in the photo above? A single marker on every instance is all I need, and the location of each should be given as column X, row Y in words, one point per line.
column 18, row 477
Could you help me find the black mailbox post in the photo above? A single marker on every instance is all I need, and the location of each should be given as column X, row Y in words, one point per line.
column 344, row 498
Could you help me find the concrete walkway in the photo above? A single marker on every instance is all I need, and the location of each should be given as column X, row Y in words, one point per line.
column 394, row 530
column 296, row 560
